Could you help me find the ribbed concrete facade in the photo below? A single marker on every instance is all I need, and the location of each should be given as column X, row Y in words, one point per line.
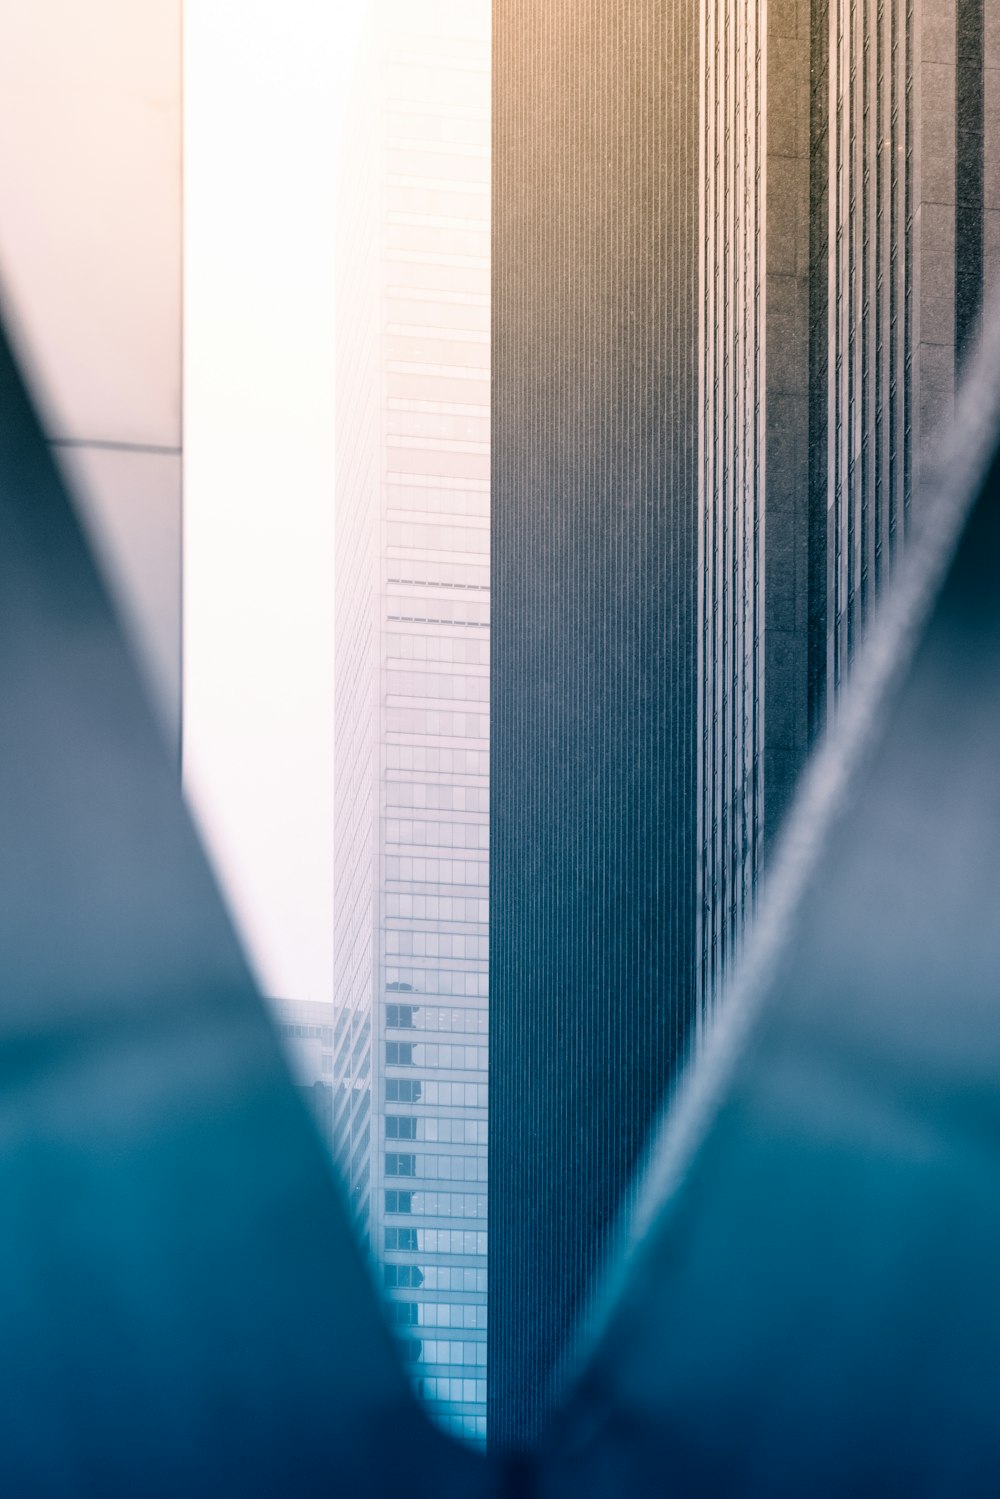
column 739, row 247
column 595, row 280
column 849, row 168
column 730, row 472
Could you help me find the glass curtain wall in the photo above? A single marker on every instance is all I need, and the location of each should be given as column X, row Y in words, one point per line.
column 412, row 685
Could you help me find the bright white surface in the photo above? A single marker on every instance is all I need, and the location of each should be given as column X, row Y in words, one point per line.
column 263, row 92
column 90, row 265
column 90, row 193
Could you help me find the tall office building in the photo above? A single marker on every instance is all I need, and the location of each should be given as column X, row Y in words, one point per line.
column 595, row 278
column 739, row 249
column 850, row 185
column 412, row 685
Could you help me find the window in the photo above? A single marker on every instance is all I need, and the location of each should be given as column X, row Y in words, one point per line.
column 402, row 1090
column 400, row 1165
column 400, row 1127
column 399, row 1017
column 396, row 1276
column 398, row 1202
column 404, row 1240
column 402, row 1313
column 399, row 1053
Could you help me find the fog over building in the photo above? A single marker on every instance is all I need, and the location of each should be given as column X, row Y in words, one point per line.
column 412, row 684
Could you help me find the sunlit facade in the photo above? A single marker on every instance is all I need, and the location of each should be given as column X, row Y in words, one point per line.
column 412, row 685
column 850, row 174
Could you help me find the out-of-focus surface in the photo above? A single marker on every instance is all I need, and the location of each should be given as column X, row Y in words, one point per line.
column 90, row 266
column 808, row 1304
column 178, row 1281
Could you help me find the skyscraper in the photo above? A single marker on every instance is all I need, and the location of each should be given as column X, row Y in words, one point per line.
column 412, row 685
column 849, row 186
column 594, row 550
column 739, row 249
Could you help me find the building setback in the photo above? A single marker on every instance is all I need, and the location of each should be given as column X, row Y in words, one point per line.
column 739, row 251
column 594, row 546
column 412, row 686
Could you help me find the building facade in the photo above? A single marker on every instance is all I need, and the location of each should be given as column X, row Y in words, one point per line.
column 412, row 685
column 849, row 182
column 595, row 279
column 739, row 250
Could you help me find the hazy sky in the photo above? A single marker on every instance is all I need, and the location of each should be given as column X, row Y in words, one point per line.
column 264, row 86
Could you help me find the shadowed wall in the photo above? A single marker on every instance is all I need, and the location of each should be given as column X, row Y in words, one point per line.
column 594, row 546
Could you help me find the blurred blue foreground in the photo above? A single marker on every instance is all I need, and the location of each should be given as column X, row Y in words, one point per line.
column 806, row 1301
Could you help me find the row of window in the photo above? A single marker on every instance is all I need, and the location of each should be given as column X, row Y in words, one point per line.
column 435, row 272
column 444, row 1094
column 437, row 797
column 430, row 944
column 434, row 1278
column 442, row 241
column 464, row 1241
column 467, row 1317
column 464, row 501
column 471, row 1428
column 403, row 1090
column 436, row 1018
column 436, row 1054
column 322, row 1033
column 464, row 1391
column 462, row 1354
column 456, row 1095
column 408, row 161
column 438, row 981
column 437, row 1131
column 436, row 1204
column 438, row 907
column 438, row 316
column 438, row 834
column 474, row 651
column 442, row 724
column 415, row 346
column 431, row 538
column 444, row 685
column 469, row 613
column 464, row 1168
column 410, row 870
column 413, row 572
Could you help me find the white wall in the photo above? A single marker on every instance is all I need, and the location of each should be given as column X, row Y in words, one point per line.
column 90, row 267
column 263, row 84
